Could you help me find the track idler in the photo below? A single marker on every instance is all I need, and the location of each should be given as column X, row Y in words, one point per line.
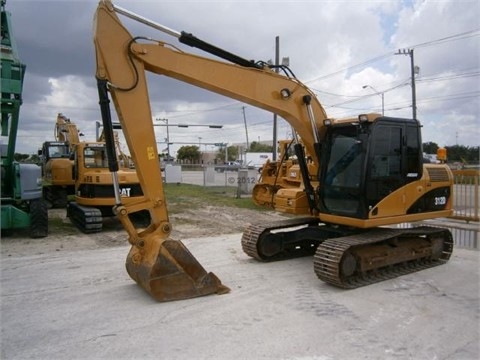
column 168, row 271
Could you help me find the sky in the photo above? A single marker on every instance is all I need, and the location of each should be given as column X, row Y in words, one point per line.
column 350, row 53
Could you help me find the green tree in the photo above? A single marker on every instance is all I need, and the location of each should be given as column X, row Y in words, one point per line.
column 460, row 153
column 430, row 147
column 190, row 152
column 259, row 147
column 34, row 159
column 464, row 154
column 20, row 157
column 232, row 152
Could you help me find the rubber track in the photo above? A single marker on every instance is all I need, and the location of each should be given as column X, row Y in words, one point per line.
column 329, row 254
column 87, row 219
column 252, row 233
column 38, row 218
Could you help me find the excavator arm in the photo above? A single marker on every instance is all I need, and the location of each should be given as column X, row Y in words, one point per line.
column 162, row 266
column 66, row 131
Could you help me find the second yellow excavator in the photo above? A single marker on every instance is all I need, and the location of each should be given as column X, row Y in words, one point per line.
column 280, row 185
column 370, row 170
column 94, row 194
column 80, row 168
column 57, row 167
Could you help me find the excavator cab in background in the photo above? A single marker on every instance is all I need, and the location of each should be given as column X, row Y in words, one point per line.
column 57, row 173
column 370, row 177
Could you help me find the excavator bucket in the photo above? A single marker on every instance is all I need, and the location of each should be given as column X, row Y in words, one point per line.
column 168, row 271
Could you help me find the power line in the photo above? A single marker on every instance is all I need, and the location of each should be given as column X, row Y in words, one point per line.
column 460, row 36
column 375, row 59
column 449, row 77
column 356, row 98
column 467, row 34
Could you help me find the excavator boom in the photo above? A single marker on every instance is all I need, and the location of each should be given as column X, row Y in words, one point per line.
column 67, row 131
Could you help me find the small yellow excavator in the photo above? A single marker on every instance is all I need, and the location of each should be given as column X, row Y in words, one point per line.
column 57, row 167
column 370, row 177
column 284, row 175
column 79, row 168
column 94, row 195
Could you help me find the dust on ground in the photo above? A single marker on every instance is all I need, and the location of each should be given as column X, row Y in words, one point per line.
column 64, row 236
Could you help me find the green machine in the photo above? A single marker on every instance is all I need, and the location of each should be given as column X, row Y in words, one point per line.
column 21, row 193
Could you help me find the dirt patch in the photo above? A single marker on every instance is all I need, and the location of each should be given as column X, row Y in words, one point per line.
column 63, row 236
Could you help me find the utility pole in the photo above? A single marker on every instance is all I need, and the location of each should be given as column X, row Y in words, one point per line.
column 414, row 70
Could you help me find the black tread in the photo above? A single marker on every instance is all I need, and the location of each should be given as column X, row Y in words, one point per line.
column 87, row 219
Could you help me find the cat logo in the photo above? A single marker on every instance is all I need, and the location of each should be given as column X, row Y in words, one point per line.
column 125, row 192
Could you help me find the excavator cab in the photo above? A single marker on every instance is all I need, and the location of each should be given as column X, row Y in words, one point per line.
column 368, row 162
column 95, row 156
column 55, row 149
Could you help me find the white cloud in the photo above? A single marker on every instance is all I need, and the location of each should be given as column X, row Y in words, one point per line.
column 69, row 95
column 69, row 91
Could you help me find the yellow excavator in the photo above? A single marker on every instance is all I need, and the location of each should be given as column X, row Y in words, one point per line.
column 57, row 167
column 370, row 178
column 283, row 176
column 80, row 168
column 94, row 193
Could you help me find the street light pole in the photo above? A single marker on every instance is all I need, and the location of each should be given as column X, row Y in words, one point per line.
column 378, row 93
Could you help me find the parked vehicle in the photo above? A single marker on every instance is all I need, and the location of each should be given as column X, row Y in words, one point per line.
column 228, row 166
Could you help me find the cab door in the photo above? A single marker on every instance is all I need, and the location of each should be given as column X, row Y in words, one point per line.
column 394, row 157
